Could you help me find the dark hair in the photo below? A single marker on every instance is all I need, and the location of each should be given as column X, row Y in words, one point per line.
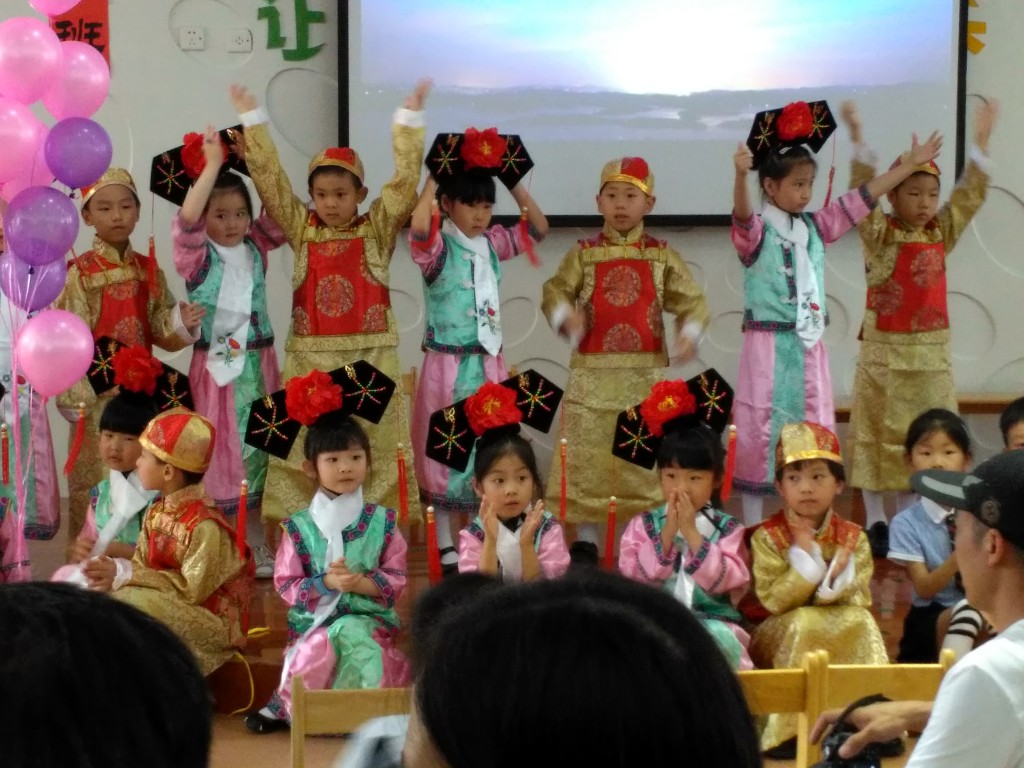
column 127, row 413
column 778, row 164
column 135, row 197
column 938, row 420
column 327, row 170
column 468, row 188
column 226, row 183
column 834, row 467
column 335, row 431
column 698, row 447
column 496, row 444
column 71, row 656
column 434, row 604
column 610, row 656
column 1011, row 417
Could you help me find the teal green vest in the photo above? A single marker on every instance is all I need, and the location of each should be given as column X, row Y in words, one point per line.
column 769, row 282
column 99, row 494
column 204, row 289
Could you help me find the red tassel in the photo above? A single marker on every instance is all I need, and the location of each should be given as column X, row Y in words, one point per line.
column 243, row 518
column 5, row 446
column 828, row 191
column 524, row 235
column 433, row 553
column 562, row 496
column 151, row 269
column 609, row 537
column 730, row 465
column 76, row 444
column 403, row 488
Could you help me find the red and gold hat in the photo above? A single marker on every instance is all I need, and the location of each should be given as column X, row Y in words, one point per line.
column 339, row 157
column 631, row 170
column 806, row 441
column 182, row 438
column 111, row 177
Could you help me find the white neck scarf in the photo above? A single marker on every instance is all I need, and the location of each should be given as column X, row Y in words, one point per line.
column 127, row 499
column 485, row 287
column 684, row 581
column 230, row 329
column 793, row 233
column 510, row 555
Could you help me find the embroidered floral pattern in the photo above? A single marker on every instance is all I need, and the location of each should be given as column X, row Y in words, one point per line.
column 655, row 321
column 124, row 291
column 621, row 286
column 129, row 330
column 886, row 299
column 335, row 295
column 929, row 319
column 300, row 322
column 622, row 338
column 375, row 319
column 927, row 267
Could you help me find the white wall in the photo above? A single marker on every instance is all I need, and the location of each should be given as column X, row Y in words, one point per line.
column 159, row 92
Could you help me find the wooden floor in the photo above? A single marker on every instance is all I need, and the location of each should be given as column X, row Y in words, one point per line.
column 234, row 747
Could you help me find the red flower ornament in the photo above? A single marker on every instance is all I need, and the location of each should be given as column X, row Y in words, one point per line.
column 136, row 370
column 307, row 398
column 668, row 400
column 795, row 122
column 491, row 407
column 482, row 149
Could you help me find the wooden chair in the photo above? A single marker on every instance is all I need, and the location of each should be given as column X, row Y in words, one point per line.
column 315, row 713
column 797, row 690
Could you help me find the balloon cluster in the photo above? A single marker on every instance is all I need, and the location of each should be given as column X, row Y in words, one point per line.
column 53, row 348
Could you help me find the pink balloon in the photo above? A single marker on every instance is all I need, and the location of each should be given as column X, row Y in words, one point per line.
column 30, row 57
column 19, row 138
column 54, row 350
column 53, row 7
column 82, row 83
column 37, row 174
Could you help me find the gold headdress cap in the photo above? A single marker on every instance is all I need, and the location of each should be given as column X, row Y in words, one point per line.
column 806, row 441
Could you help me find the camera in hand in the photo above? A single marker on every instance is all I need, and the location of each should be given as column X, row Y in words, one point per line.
column 869, row 757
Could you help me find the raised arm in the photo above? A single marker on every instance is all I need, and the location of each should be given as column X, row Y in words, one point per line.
column 972, row 188
column 199, row 193
column 919, row 155
column 743, row 160
column 534, row 215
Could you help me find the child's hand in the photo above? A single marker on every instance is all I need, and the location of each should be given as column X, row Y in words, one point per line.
column 490, row 520
column 347, row 580
column 848, row 112
column 212, row 149
column 686, row 514
column 575, row 325
column 743, row 159
column 100, row 572
column 533, row 520
column 81, row 549
column 191, row 315
column 803, row 534
column 241, row 99
column 924, row 153
column 684, row 350
column 984, row 119
column 237, row 143
column 842, row 559
column 415, row 100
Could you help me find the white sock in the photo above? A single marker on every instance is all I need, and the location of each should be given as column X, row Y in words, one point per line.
column 874, row 508
column 587, row 532
column 964, row 625
column 443, row 525
column 753, row 509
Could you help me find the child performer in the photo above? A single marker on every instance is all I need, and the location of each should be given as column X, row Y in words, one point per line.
column 607, row 299
column 812, row 569
column 341, row 305
column 921, row 540
column 784, row 374
column 1011, row 425
column 341, row 564
column 187, row 571
column 687, row 546
column 121, row 294
column 116, row 503
column 904, row 364
column 512, row 537
column 460, row 261
column 221, row 252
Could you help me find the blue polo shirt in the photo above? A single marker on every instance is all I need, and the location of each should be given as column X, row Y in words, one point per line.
column 918, row 534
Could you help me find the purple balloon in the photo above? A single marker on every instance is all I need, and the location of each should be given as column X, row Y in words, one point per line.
column 78, row 151
column 28, row 287
column 41, row 225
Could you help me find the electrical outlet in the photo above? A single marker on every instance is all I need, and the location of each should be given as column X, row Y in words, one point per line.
column 239, row 40
column 192, row 38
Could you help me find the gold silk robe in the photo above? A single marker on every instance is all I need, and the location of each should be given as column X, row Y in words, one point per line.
column 288, row 489
column 607, row 375
column 802, row 620
column 902, row 374
column 105, row 298
column 189, row 576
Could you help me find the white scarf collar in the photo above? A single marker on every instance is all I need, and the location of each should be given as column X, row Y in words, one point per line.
column 333, row 515
column 792, row 231
column 485, row 287
column 127, row 499
column 232, row 316
column 684, row 581
column 510, row 555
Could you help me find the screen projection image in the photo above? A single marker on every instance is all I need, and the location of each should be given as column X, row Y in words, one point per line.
column 675, row 81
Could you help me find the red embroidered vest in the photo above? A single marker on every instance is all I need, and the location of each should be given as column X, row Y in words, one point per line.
column 624, row 315
column 841, row 532
column 339, row 296
column 913, row 299
column 124, row 306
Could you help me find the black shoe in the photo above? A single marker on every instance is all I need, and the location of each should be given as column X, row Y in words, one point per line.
column 448, row 569
column 878, row 538
column 784, row 751
column 261, row 724
column 583, row 554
